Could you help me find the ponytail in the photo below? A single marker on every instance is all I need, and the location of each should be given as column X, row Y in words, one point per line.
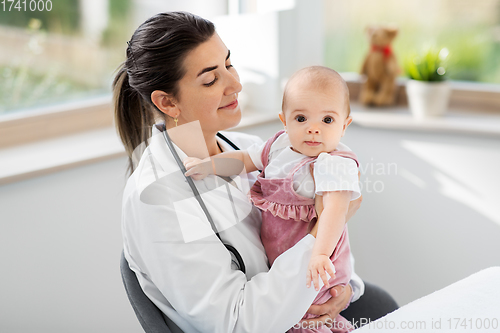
column 155, row 56
column 133, row 116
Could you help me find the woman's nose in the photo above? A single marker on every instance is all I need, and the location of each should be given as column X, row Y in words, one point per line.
column 233, row 85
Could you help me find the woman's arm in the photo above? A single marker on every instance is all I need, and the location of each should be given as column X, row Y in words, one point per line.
column 224, row 164
column 196, row 278
column 331, row 223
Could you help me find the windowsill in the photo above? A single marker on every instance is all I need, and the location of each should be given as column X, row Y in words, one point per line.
column 47, row 156
column 453, row 121
column 54, row 121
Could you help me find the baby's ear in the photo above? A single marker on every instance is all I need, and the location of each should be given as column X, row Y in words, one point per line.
column 282, row 118
column 347, row 122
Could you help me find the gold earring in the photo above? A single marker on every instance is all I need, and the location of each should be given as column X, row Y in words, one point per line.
column 176, row 120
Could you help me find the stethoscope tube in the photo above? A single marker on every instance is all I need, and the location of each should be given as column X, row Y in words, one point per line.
column 196, row 193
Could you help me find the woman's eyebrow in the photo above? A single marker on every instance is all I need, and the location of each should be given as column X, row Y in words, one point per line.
column 208, row 69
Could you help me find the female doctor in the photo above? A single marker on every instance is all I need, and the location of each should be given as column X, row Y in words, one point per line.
column 178, row 72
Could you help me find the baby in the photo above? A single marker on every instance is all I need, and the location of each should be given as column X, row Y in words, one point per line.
column 315, row 114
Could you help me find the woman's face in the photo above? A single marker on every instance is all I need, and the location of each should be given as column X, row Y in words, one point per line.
column 208, row 92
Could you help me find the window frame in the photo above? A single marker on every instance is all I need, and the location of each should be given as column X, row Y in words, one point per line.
column 54, row 121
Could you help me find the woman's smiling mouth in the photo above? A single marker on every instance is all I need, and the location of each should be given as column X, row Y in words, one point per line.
column 231, row 105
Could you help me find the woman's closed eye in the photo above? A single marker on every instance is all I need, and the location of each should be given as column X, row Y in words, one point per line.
column 328, row 120
column 211, row 82
column 216, row 78
column 300, row 118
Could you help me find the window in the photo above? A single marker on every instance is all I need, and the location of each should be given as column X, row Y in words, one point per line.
column 470, row 31
column 68, row 52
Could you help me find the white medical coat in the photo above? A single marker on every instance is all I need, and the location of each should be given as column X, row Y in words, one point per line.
column 183, row 267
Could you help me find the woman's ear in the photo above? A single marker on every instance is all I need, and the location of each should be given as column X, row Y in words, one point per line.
column 165, row 103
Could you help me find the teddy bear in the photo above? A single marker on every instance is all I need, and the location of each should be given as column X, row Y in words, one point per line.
column 380, row 67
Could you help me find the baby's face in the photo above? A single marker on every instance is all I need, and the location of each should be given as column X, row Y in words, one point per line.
column 315, row 120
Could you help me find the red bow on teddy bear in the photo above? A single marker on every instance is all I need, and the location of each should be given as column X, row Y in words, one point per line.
column 386, row 50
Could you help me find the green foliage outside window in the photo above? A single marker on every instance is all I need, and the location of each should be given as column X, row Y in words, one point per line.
column 24, row 86
column 63, row 18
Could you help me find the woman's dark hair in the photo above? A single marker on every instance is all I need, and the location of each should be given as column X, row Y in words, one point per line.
column 155, row 56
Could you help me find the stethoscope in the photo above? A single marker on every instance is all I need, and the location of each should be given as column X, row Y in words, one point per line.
column 162, row 128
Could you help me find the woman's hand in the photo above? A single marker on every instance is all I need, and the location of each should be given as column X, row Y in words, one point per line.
column 328, row 311
column 198, row 169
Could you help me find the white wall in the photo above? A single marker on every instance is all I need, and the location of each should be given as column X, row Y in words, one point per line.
column 60, row 236
column 268, row 46
column 60, row 244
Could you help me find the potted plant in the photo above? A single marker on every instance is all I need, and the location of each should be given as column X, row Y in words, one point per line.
column 427, row 90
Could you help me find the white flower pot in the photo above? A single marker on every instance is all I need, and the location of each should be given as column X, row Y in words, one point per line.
column 427, row 99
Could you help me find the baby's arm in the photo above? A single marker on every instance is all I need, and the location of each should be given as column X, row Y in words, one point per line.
column 224, row 164
column 331, row 224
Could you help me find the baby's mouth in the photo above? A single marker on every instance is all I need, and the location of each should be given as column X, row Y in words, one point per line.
column 312, row 143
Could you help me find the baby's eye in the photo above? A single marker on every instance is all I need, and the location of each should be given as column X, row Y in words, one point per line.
column 300, row 118
column 328, row 120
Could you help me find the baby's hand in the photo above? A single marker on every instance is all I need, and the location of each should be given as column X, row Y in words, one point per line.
column 320, row 264
column 198, row 169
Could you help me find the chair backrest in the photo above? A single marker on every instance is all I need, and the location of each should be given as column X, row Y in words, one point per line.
column 151, row 318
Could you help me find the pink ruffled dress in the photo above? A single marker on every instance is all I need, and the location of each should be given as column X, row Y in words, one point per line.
column 287, row 217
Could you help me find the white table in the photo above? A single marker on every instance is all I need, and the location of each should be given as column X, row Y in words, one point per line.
column 469, row 305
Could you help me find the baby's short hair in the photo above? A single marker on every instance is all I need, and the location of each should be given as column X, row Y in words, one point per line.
column 320, row 78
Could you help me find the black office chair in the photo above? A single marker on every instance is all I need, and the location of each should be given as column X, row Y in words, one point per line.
column 151, row 318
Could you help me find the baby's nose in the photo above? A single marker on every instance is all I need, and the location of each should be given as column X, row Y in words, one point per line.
column 313, row 130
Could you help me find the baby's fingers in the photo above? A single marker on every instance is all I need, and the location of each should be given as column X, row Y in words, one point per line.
column 198, row 176
column 323, row 276
column 330, row 271
column 315, row 280
column 308, row 278
column 191, row 170
column 189, row 160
